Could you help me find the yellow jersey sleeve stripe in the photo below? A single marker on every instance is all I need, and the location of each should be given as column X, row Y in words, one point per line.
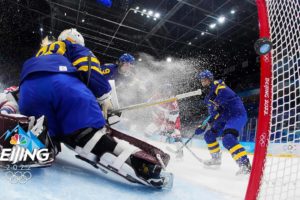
column 217, row 116
column 236, row 147
column 85, row 59
column 215, row 150
column 85, row 68
column 219, row 87
column 239, row 155
column 213, row 144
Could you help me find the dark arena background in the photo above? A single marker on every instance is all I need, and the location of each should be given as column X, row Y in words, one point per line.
column 172, row 42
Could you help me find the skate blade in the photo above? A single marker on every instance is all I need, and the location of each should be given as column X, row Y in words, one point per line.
column 212, row 167
column 168, row 180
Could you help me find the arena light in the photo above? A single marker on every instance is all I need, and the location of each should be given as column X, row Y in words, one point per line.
column 169, row 59
column 147, row 13
column 232, row 11
column 65, row 14
column 213, row 25
column 83, row 20
column 136, row 9
column 202, row 33
column 221, row 19
column 150, row 12
column 190, row 43
column 50, row 32
column 41, row 29
column 140, row 60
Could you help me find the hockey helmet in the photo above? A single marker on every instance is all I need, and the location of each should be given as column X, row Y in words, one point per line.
column 127, row 58
column 205, row 74
column 72, row 35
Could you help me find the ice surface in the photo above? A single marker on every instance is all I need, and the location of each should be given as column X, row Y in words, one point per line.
column 70, row 178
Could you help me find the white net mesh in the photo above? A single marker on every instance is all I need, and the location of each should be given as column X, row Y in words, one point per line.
column 281, row 178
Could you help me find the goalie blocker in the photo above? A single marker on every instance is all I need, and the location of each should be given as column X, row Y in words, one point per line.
column 21, row 137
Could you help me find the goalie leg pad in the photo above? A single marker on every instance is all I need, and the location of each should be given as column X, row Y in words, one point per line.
column 123, row 150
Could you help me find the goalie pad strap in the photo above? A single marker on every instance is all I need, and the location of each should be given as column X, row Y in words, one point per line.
column 123, row 150
column 85, row 151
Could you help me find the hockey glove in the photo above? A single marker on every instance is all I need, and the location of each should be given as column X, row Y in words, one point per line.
column 105, row 103
column 203, row 126
column 113, row 118
column 199, row 131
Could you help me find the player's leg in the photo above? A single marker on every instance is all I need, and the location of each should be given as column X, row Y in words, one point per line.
column 213, row 146
column 97, row 147
column 231, row 143
column 210, row 138
column 178, row 143
column 35, row 99
column 83, row 124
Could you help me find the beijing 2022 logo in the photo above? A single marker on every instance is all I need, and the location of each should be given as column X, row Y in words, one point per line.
column 26, row 148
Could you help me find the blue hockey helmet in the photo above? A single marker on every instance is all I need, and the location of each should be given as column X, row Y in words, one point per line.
column 205, row 74
column 127, row 58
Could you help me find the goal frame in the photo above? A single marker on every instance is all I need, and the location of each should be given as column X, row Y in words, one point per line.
column 264, row 117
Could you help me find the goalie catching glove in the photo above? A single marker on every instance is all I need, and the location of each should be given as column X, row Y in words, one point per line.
column 107, row 107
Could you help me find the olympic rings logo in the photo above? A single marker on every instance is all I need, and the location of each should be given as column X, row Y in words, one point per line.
column 290, row 148
column 266, row 58
column 262, row 140
column 16, row 177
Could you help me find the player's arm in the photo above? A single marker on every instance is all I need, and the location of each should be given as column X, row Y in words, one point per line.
column 217, row 104
column 88, row 66
column 213, row 110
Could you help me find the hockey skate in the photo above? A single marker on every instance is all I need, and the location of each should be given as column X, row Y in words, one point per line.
column 179, row 155
column 179, row 152
column 245, row 169
column 215, row 161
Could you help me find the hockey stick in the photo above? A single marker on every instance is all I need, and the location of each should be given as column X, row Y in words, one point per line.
column 183, row 145
column 204, row 123
column 199, row 159
column 148, row 104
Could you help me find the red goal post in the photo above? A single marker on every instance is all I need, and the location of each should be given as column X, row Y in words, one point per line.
column 276, row 164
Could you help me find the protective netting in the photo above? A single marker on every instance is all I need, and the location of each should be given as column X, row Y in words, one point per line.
column 281, row 179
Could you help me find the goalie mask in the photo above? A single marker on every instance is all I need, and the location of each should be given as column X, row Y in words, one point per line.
column 72, row 35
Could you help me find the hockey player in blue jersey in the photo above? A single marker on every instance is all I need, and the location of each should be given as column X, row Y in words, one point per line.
column 64, row 83
column 227, row 119
column 123, row 67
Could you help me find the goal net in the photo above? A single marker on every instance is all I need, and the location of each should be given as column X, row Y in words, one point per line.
column 276, row 165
